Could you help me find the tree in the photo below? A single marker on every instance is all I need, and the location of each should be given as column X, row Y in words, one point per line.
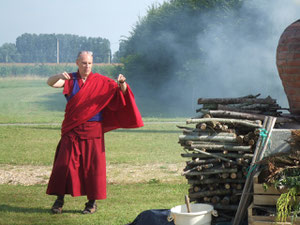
column 8, row 53
column 42, row 48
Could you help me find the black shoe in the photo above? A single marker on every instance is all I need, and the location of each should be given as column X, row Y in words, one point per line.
column 90, row 208
column 57, row 206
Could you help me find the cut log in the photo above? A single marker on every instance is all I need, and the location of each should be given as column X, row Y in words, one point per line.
column 215, row 199
column 225, row 207
column 240, row 139
column 198, row 168
column 224, row 175
column 196, row 188
column 197, row 132
column 247, row 123
column 227, row 186
column 242, row 115
column 217, row 138
column 214, row 155
column 251, row 142
column 226, row 101
column 229, row 155
column 209, row 193
column 225, row 200
column 215, row 180
column 220, row 146
column 233, row 175
column 230, row 108
column 202, row 162
column 206, row 199
column 207, row 115
column 211, row 171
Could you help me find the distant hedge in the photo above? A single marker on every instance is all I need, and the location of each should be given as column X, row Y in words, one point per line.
column 45, row 70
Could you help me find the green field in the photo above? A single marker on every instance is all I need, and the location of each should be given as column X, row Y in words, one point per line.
column 144, row 164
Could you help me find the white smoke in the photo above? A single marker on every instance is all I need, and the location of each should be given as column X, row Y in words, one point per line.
column 245, row 66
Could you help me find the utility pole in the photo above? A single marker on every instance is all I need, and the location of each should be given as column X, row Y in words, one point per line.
column 57, row 51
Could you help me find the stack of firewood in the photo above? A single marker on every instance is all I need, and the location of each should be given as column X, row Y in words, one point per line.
column 220, row 145
column 248, row 104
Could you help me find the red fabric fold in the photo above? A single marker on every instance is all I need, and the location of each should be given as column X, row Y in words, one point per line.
column 95, row 95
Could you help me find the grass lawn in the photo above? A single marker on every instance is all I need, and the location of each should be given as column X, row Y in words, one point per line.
column 30, row 205
column 35, row 145
column 139, row 161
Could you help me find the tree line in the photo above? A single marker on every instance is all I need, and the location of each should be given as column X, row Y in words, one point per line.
column 44, row 48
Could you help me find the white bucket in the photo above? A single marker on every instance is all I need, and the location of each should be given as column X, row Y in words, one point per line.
column 200, row 214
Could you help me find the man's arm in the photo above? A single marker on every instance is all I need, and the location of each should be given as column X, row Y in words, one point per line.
column 58, row 80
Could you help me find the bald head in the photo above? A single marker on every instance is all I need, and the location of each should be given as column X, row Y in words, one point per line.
column 84, row 62
column 84, row 53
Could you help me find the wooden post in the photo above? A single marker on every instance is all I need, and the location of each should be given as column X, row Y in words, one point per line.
column 57, row 51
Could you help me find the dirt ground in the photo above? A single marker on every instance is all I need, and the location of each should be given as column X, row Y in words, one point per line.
column 116, row 174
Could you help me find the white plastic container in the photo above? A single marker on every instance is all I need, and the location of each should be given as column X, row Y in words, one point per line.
column 200, row 214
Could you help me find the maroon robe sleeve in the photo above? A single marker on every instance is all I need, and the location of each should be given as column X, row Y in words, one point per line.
column 122, row 112
column 68, row 86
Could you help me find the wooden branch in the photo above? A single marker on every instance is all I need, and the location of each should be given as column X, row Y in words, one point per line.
column 225, row 137
column 198, row 168
column 209, row 193
column 225, row 200
column 229, row 155
column 215, row 199
column 202, row 162
column 219, row 146
column 226, row 101
column 242, row 115
column 230, row 108
column 247, row 123
column 225, row 207
column 247, row 148
column 198, row 132
column 214, row 155
column 265, row 107
column 214, row 180
column 211, row 171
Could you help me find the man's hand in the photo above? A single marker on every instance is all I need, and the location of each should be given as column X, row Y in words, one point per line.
column 64, row 76
column 58, row 80
column 121, row 80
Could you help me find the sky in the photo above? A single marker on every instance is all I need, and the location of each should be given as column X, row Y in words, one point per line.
column 111, row 19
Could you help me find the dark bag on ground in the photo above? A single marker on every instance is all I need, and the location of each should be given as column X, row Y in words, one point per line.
column 153, row 217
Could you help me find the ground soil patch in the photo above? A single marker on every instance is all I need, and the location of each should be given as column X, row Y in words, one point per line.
column 116, row 174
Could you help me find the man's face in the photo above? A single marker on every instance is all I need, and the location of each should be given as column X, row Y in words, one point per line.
column 85, row 63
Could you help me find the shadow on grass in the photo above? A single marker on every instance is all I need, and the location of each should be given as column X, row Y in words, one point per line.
column 53, row 102
column 16, row 209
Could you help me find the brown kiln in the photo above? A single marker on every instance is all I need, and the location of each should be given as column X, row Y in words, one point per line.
column 288, row 65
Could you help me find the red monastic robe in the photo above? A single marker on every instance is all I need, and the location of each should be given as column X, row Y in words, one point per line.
column 79, row 166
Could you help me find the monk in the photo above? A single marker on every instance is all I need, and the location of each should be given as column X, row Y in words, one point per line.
column 95, row 104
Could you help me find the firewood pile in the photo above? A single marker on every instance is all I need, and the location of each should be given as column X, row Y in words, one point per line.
column 220, row 144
